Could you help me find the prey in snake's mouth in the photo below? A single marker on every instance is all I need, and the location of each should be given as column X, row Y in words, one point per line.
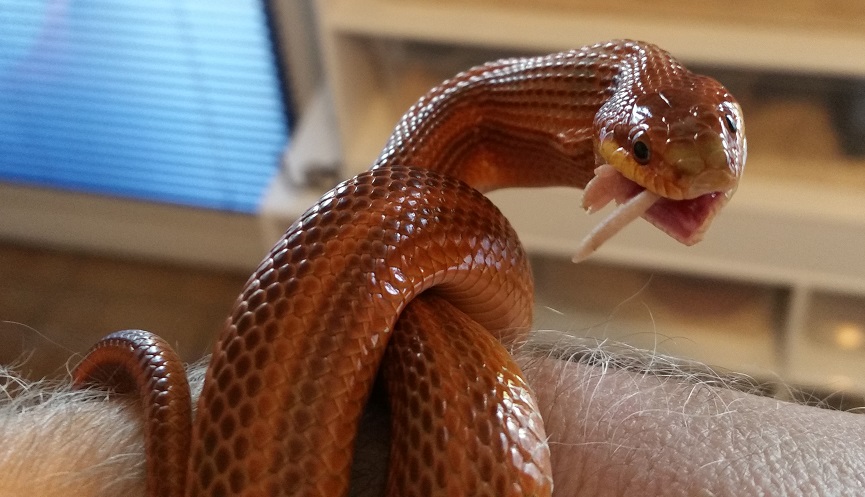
column 684, row 220
column 674, row 160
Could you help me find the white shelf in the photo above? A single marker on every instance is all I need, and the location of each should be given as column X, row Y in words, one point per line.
column 789, row 242
column 80, row 221
column 526, row 28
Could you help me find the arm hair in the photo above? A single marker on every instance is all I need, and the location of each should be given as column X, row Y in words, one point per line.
column 621, row 422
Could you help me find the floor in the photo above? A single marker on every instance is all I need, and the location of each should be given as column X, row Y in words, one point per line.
column 55, row 305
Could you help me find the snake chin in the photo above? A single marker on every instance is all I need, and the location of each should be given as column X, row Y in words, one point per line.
column 684, row 220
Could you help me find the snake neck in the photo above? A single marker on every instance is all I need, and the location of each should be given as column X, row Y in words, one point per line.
column 517, row 122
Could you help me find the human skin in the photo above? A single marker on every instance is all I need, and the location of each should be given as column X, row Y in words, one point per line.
column 622, row 433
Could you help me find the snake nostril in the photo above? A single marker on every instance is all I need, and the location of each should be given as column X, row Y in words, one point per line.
column 690, row 166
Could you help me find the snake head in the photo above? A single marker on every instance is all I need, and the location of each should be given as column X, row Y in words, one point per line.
column 681, row 145
column 680, row 142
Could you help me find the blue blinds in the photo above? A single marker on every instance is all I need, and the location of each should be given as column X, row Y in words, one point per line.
column 176, row 101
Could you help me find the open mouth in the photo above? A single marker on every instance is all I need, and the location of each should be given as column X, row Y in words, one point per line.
column 684, row 220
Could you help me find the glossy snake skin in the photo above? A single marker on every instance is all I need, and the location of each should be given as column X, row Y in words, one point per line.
column 413, row 254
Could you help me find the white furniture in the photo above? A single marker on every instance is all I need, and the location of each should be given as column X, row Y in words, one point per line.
column 778, row 286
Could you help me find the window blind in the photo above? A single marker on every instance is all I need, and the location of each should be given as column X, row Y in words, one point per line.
column 176, row 101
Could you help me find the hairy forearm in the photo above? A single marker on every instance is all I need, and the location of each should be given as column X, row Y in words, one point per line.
column 620, row 432
column 56, row 442
column 617, row 427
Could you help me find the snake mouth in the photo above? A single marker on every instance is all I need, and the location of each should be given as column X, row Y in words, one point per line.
column 684, row 220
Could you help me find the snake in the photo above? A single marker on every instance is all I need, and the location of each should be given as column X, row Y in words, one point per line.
column 409, row 272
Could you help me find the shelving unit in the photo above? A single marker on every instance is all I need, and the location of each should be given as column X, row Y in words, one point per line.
column 765, row 293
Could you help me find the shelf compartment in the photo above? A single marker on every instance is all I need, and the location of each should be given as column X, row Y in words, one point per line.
column 829, row 351
column 720, row 322
column 387, row 77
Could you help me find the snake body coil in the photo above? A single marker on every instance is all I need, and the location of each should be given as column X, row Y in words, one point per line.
column 412, row 253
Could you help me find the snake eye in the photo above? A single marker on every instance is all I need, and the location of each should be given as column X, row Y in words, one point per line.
column 642, row 153
column 731, row 124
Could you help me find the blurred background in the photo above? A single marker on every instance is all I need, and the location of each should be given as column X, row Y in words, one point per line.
column 150, row 155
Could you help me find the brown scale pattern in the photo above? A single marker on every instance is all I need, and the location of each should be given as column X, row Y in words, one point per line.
column 463, row 420
column 513, row 122
column 140, row 363
column 289, row 379
column 293, row 368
